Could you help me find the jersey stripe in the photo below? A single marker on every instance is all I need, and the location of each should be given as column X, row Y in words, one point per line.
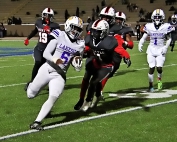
column 55, row 32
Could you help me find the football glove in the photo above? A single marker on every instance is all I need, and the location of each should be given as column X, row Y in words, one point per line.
column 77, row 63
column 164, row 50
column 26, row 42
column 140, row 48
column 127, row 61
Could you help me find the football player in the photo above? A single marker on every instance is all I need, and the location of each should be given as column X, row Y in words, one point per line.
column 104, row 49
column 126, row 32
column 156, row 51
column 173, row 33
column 43, row 27
column 107, row 14
column 59, row 53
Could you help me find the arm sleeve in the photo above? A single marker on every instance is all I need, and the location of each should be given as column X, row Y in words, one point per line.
column 33, row 33
column 50, row 49
column 142, row 40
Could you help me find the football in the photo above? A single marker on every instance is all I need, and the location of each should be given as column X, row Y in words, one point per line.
column 76, row 60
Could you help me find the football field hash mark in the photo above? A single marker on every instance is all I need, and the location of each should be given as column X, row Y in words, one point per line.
column 86, row 119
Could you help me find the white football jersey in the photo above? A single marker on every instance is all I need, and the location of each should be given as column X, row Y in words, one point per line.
column 66, row 49
column 157, row 36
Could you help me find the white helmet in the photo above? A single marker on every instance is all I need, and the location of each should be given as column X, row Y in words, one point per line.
column 47, row 14
column 174, row 18
column 121, row 16
column 109, row 14
column 99, row 29
column 158, row 16
column 74, row 27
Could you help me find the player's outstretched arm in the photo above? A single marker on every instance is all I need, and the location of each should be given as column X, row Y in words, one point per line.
column 141, row 42
column 32, row 34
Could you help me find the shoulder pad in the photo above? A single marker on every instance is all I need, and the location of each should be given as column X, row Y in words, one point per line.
column 55, row 33
column 111, row 42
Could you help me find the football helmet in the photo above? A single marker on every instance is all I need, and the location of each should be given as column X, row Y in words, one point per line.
column 47, row 15
column 158, row 17
column 174, row 19
column 73, row 27
column 121, row 17
column 99, row 29
column 108, row 14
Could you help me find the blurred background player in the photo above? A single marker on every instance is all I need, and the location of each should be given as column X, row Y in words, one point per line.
column 156, row 51
column 126, row 33
column 43, row 26
column 53, row 72
column 173, row 33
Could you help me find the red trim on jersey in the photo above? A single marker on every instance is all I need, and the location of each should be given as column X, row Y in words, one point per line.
column 107, row 9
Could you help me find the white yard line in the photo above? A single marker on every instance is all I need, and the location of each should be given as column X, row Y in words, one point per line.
column 86, row 119
column 1, row 67
column 11, row 85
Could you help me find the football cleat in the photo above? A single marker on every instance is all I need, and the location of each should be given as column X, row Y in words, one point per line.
column 159, row 85
column 86, row 106
column 36, row 125
column 79, row 104
column 98, row 99
column 151, row 89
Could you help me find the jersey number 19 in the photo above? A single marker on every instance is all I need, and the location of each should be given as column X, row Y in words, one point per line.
column 42, row 37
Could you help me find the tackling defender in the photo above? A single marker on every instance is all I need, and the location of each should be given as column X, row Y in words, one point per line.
column 43, row 26
column 156, row 51
column 59, row 53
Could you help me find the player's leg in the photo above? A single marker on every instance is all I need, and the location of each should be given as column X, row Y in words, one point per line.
column 56, row 86
column 38, row 62
column 95, row 87
column 85, row 83
column 172, row 44
column 41, row 79
column 152, row 63
column 117, row 60
column 160, row 62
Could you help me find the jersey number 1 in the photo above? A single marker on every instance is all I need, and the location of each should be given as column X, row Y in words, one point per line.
column 155, row 41
column 42, row 37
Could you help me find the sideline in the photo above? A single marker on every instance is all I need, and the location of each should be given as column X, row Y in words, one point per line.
column 86, row 119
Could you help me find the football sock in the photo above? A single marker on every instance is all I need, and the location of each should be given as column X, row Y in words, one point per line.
column 104, row 83
column 46, row 107
column 159, row 76
column 150, row 77
column 84, row 87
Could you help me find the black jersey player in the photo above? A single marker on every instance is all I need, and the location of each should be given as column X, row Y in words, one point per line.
column 43, row 27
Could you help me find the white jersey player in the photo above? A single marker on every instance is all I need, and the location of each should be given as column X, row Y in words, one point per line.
column 61, row 49
column 156, row 50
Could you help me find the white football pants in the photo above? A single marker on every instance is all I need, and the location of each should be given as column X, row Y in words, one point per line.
column 46, row 75
column 155, row 61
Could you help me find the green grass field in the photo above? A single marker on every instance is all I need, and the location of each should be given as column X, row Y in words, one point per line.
column 130, row 117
